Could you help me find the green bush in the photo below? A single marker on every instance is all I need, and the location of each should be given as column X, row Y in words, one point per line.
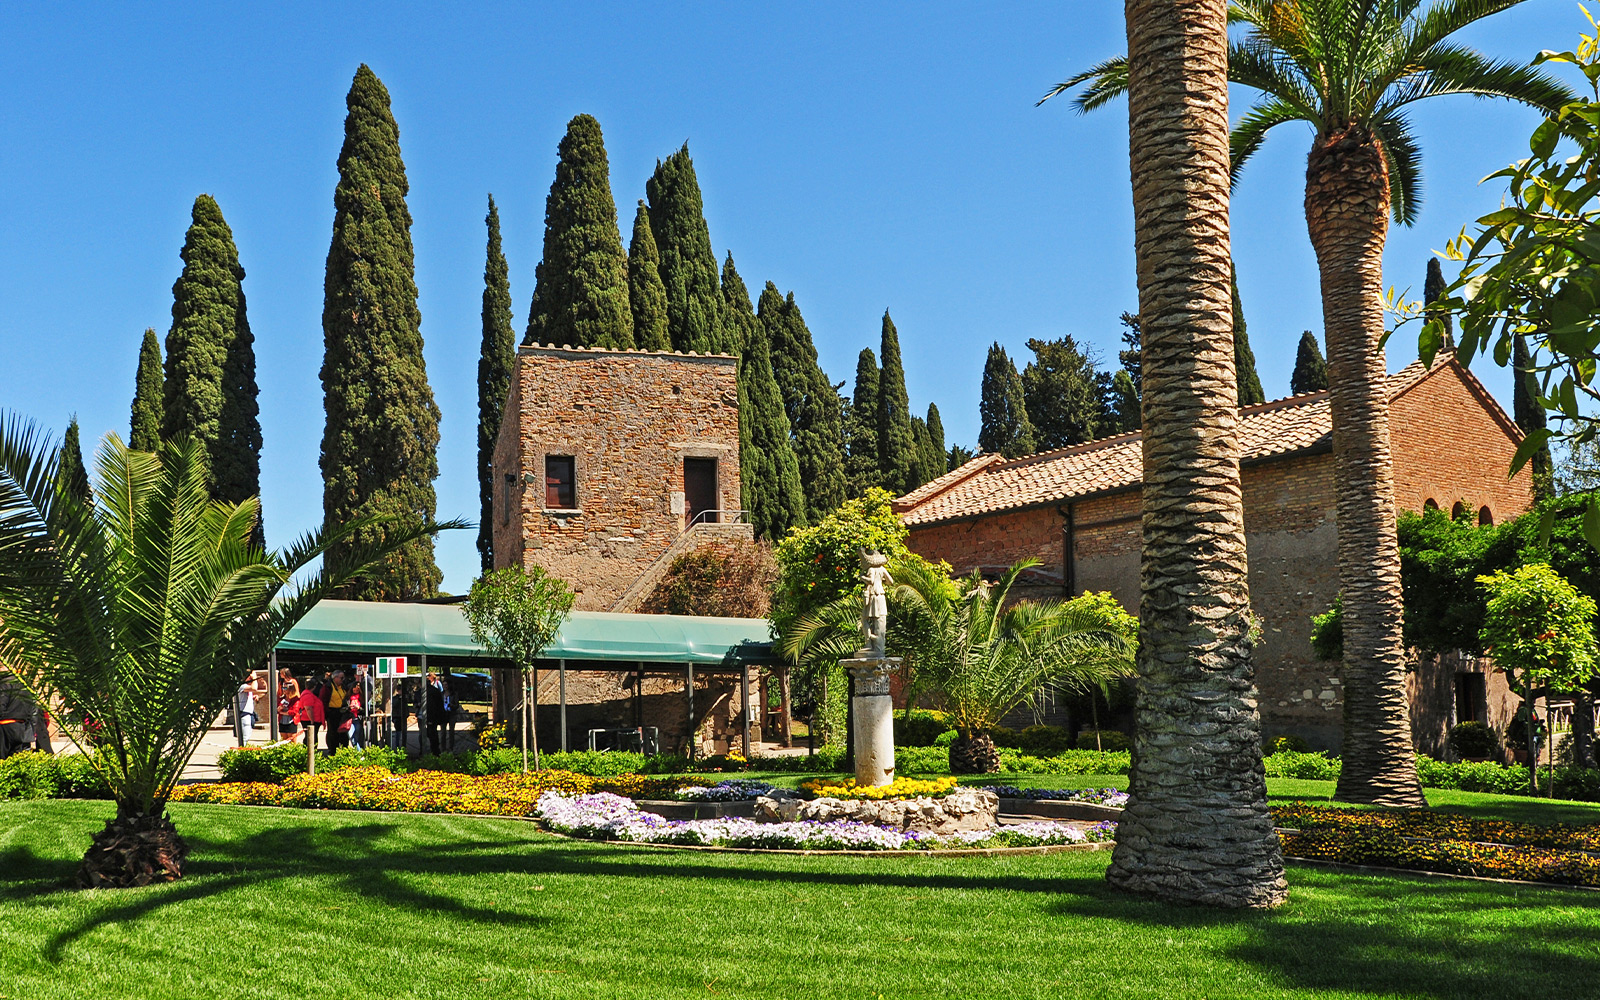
column 1291, row 743
column 1473, row 739
column 271, row 763
column 922, row 729
column 825, row 761
column 946, row 738
column 1473, row 776
column 76, row 778
column 595, row 763
column 922, row 760
column 1004, row 736
column 394, row 760
column 31, row 774
column 1312, row 766
column 1110, row 739
column 1045, row 741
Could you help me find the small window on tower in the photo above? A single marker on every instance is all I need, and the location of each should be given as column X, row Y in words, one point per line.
column 510, row 491
column 558, row 483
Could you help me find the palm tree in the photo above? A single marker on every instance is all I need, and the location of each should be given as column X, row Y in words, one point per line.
column 142, row 610
column 978, row 657
column 1196, row 828
column 1352, row 69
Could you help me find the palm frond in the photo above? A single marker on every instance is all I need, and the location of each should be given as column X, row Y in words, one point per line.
column 1107, row 82
column 1251, row 132
column 1404, row 162
column 1446, row 18
column 1454, row 69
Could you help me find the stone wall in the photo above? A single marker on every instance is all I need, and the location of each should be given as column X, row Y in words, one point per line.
column 628, row 419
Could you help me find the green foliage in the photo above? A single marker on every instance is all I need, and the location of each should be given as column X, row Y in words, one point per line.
column 862, row 470
column 1293, row 744
column 920, row 727
column 73, row 477
column 270, row 764
column 1308, row 766
column 1472, row 739
column 897, row 445
column 1539, row 628
column 1122, row 403
column 597, row 763
column 1327, row 632
column 142, row 611
column 394, row 761
column 688, row 265
column 810, row 401
column 1433, row 289
column 1244, row 359
column 515, row 612
column 28, row 774
column 934, row 459
column 959, row 455
column 647, row 296
column 1310, row 369
column 1061, row 394
column 820, row 564
column 1047, row 741
column 1102, row 739
column 581, row 297
column 496, row 359
column 147, row 396
column 1529, row 415
column 381, row 438
column 769, row 472
column 1002, row 408
column 728, row 580
column 1441, row 559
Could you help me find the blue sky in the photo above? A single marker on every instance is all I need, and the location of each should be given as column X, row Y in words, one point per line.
column 886, row 157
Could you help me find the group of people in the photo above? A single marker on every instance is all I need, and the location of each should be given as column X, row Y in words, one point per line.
column 342, row 704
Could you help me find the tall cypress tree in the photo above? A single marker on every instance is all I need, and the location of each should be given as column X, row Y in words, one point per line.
column 811, row 402
column 380, row 443
column 71, row 474
column 1310, row 368
column 922, row 443
column 209, row 389
column 1433, row 290
column 936, row 451
column 1002, row 408
column 1122, row 403
column 1530, row 416
column 739, row 318
column 688, row 265
column 1062, row 391
column 768, row 469
column 1244, row 359
column 862, row 470
column 647, row 296
column 581, row 298
column 496, row 359
column 897, row 444
column 147, row 396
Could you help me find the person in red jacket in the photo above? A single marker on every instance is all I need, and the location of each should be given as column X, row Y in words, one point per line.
column 310, row 713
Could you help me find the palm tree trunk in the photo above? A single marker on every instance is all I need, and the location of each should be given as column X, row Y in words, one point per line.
column 1347, row 214
column 1196, row 828
column 137, row 847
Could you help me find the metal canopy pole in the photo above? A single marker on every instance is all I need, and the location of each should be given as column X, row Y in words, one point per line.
column 272, row 697
column 422, row 711
column 744, row 700
column 783, row 694
column 562, row 667
column 692, row 740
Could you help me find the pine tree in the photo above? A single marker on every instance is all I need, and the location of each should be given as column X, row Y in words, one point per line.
column 496, row 360
column 1128, row 357
column 897, row 445
column 581, row 298
column 768, row 469
column 1003, row 409
column 1530, row 416
column 811, row 402
column 147, row 396
column 1122, row 403
column 71, row 474
column 647, row 296
column 688, row 265
column 1063, row 398
column 209, row 388
column 1433, row 290
column 936, row 453
column 1310, row 369
column 959, row 455
column 1244, row 359
column 862, row 470
column 380, row 443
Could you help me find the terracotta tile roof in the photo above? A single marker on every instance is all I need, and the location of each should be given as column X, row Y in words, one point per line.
column 989, row 483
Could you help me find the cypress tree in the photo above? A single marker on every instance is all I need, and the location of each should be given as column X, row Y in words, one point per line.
column 688, row 265
column 1310, row 369
column 1129, row 356
column 897, row 445
column 1062, row 394
column 959, row 455
column 647, row 296
column 922, row 442
column 862, row 470
column 1530, row 416
column 581, row 298
column 739, row 318
column 147, row 396
column 496, row 359
column 810, row 401
column 1002, row 408
column 1244, row 359
column 1433, row 290
column 209, row 389
column 936, row 451
column 1124, row 402
column 380, row 443
column 71, row 474
column 768, row 469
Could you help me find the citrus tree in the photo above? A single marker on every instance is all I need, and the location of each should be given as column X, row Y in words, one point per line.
column 515, row 613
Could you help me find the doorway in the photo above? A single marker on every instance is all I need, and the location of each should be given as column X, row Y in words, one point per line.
column 700, row 490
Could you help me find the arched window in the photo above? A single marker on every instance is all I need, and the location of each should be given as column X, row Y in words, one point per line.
column 1430, row 504
column 1485, row 518
column 1458, row 511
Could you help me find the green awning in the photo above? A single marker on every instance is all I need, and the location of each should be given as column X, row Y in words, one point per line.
column 363, row 628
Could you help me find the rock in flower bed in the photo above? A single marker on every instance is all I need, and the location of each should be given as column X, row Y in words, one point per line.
column 604, row 816
column 1423, row 840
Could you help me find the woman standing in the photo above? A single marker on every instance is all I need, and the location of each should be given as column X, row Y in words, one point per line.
column 288, row 695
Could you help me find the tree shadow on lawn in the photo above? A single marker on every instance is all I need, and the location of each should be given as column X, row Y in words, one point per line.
column 1391, row 935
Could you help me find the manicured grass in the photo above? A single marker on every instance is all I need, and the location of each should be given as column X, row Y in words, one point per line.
column 288, row 903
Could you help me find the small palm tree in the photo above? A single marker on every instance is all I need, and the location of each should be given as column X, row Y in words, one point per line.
column 141, row 609
column 1352, row 69
column 980, row 658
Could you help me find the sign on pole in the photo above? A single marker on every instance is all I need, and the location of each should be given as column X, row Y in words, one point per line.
column 391, row 666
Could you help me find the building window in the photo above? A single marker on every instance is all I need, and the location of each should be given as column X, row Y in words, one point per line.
column 559, row 493
column 1458, row 511
column 1430, row 504
column 1472, row 701
column 1485, row 518
column 509, row 489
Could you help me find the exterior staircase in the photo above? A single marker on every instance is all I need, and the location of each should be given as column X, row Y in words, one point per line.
column 698, row 534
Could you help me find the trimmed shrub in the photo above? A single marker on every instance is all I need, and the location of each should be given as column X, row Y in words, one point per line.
column 946, row 738
column 76, row 778
column 922, row 760
column 1473, row 739
column 1045, row 741
column 825, row 761
column 393, row 761
column 1291, row 743
column 1109, row 739
column 30, row 774
column 595, row 763
column 922, row 729
column 1313, row 766
column 273, row 763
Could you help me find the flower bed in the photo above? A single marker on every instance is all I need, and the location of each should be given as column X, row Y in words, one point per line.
column 899, row 788
column 604, row 816
column 1422, row 840
column 732, row 790
column 1113, row 797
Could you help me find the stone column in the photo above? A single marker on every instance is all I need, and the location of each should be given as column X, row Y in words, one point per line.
column 874, row 719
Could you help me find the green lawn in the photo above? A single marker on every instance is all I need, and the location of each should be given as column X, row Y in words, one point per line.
column 286, row 903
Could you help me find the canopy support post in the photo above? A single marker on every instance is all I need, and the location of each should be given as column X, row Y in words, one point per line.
column 690, row 690
column 272, row 697
column 562, row 667
column 744, row 701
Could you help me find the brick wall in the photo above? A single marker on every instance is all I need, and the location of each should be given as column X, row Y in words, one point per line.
column 1448, row 447
column 628, row 419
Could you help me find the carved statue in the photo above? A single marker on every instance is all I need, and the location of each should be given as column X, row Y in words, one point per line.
column 874, row 604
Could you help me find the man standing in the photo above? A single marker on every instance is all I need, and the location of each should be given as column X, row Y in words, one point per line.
column 434, row 691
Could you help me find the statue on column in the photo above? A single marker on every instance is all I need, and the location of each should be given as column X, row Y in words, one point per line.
column 874, row 604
